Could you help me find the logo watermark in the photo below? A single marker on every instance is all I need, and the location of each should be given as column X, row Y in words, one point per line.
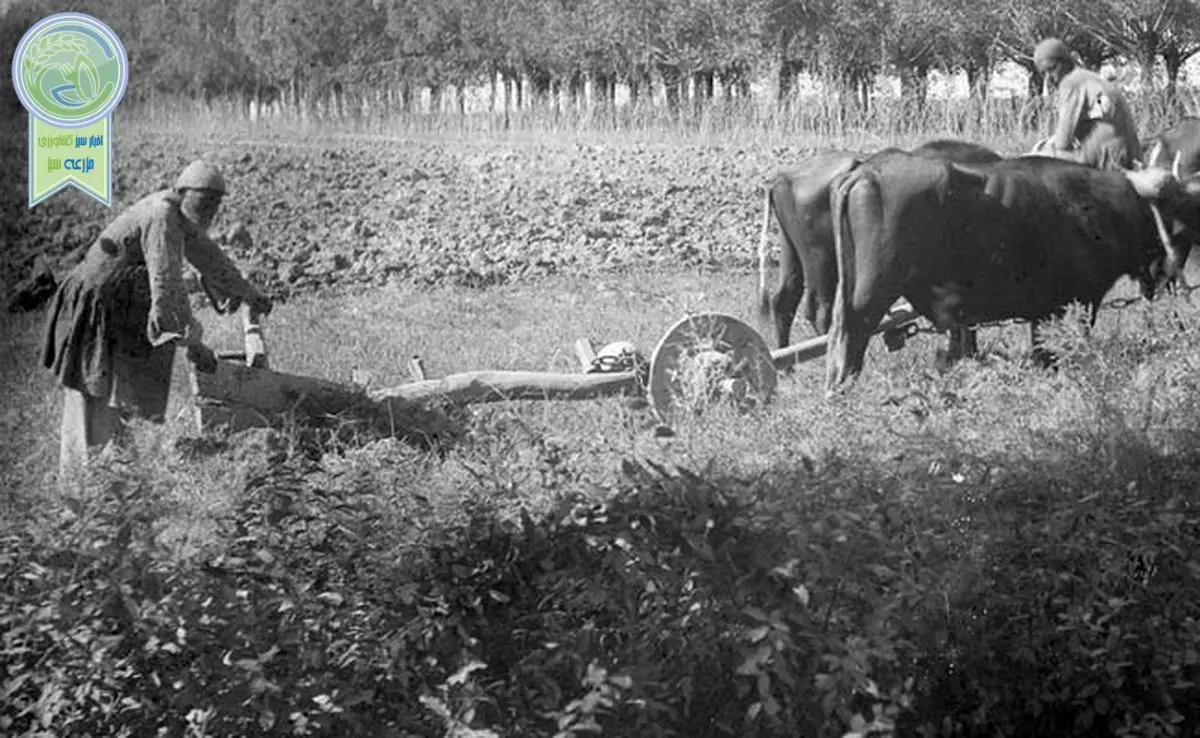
column 70, row 71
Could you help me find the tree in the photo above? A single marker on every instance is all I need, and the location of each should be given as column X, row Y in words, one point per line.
column 971, row 43
column 849, row 52
column 1147, row 30
column 797, row 35
column 913, row 38
column 1025, row 23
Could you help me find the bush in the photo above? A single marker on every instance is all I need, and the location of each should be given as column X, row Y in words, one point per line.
column 1002, row 595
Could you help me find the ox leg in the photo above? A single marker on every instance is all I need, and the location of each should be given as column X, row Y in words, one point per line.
column 786, row 299
column 783, row 307
column 961, row 343
column 847, row 348
column 819, row 313
column 1178, row 288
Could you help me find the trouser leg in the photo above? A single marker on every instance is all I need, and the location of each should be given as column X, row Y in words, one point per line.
column 88, row 424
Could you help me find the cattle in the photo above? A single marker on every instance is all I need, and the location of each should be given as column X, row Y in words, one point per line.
column 798, row 199
column 1178, row 148
column 970, row 243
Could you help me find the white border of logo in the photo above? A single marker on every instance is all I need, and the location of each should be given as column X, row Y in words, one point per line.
column 111, row 37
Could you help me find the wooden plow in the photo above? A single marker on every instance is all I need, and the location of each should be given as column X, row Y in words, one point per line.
column 702, row 359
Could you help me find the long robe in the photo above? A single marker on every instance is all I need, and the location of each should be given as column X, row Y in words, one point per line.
column 113, row 325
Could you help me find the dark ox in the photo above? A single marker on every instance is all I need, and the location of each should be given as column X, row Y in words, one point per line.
column 1018, row 238
column 798, row 199
column 1178, row 149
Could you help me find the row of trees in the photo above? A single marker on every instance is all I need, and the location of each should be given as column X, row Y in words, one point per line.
column 297, row 49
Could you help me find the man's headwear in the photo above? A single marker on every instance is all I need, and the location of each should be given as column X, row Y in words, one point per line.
column 200, row 175
column 1051, row 49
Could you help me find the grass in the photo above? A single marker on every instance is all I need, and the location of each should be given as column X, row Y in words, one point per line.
column 899, row 410
column 996, row 445
column 981, row 475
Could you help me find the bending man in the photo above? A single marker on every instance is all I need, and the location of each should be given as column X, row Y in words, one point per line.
column 1094, row 124
column 117, row 318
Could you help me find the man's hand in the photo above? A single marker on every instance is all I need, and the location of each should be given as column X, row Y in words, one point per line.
column 202, row 357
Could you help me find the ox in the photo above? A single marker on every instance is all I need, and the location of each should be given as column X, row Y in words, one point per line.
column 965, row 244
column 798, row 199
column 1178, row 148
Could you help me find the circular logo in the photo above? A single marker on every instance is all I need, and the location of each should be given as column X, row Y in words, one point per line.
column 70, row 70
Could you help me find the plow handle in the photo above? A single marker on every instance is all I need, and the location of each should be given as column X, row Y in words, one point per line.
column 256, row 348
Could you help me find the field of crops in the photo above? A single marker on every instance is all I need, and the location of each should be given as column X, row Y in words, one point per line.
column 993, row 550
column 309, row 209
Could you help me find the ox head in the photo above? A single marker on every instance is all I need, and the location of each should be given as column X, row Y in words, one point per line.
column 1173, row 201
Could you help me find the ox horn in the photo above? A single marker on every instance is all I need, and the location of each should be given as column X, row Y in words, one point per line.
column 1175, row 165
column 1153, row 158
column 1173, row 266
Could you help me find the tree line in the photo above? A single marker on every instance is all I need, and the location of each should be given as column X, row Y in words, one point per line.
column 539, row 51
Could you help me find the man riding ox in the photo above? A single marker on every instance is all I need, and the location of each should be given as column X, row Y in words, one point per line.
column 966, row 244
column 1094, row 125
column 798, row 200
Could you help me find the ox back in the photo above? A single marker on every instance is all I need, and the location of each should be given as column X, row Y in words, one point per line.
column 1018, row 238
column 798, row 199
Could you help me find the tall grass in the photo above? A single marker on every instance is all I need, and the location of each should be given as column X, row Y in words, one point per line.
column 1007, row 123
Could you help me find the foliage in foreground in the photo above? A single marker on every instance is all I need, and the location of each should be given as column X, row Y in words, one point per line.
column 1015, row 596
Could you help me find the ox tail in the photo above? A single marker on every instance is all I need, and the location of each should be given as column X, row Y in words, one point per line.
column 764, row 295
column 838, row 347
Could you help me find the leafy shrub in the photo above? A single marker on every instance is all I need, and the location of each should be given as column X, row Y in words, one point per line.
column 956, row 592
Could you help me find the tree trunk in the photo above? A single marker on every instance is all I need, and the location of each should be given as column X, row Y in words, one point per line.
column 435, row 98
column 671, row 78
column 1173, row 61
column 492, row 92
column 914, row 88
column 575, row 88
column 600, row 88
column 539, row 81
column 1146, row 58
column 786, row 79
column 406, row 96
column 506, row 80
column 702, row 89
column 979, row 75
column 461, row 94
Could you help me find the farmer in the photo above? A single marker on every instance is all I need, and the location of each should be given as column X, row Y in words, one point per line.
column 116, row 320
column 1094, row 124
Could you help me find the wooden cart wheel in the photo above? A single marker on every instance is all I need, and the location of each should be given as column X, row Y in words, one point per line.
column 710, row 358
